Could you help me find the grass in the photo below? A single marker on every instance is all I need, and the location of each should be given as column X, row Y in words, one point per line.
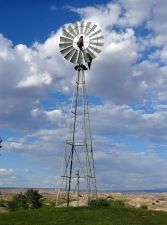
column 113, row 215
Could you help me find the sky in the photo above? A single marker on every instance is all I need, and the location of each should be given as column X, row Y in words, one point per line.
column 126, row 87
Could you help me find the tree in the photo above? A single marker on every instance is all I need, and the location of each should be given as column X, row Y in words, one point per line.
column 33, row 199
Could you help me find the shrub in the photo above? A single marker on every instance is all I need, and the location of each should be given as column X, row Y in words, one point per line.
column 2, row 203
column 31, row 199
column 109, row 197
column 98, row 203
column 144, row 207
column 116, row 203
column 13, row 205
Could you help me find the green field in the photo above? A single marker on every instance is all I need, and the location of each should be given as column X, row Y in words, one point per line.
column 84, row 216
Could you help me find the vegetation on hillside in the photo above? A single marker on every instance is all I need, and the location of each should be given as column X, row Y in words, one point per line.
column 114, row 213
column 101, row 202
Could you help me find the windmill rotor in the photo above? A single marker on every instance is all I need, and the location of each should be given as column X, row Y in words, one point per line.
column 92, row 42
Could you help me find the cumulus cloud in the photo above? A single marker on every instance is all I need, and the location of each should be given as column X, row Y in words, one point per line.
column 116, row 168
column 136, row 12
column 5, row 171
column 124, row 72
column 27, row 75
column 130, row 171
column 108, row 79
column 7, row 176
column 123, row 119
column 108, row 15
column 34, row 71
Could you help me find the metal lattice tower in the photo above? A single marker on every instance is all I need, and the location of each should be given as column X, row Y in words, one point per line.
column 79, row 44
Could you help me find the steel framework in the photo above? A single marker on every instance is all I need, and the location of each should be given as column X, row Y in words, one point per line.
column 78, row 172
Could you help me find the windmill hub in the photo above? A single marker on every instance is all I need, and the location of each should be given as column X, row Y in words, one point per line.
column 86, row 41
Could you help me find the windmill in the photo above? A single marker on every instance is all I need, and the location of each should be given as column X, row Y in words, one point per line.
column 80, row 43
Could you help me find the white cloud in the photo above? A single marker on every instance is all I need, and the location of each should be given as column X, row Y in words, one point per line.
column 125, row 120
column 35, row 81
column 136, row 11
column 121, row 72
column 7, row 176
column 27, row 75
column 53, row 116
column 158, row 22
column 34, row 71
column 107, row 15
column 119, row 170
column 6, row 171
column 116, row 168
column 111, row 76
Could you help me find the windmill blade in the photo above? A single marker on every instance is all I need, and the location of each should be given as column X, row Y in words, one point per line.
column 94, row 34
column 72, row 31
column 87, row 27
column 64, row 45
column 70, row 54
column 95, row 49
column 96, row 43
column 82, row 27
column 74, row 57
column 66, row 50
column 97, row 38
column 67, row 34
column 91, row 53
column 76, row 28
column 64, row 39
column 91, row 30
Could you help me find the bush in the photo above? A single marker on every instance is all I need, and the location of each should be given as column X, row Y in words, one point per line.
column 2, row 203
column 98, row 203
column 144, row 207
column 116, row 203
column 31, row 199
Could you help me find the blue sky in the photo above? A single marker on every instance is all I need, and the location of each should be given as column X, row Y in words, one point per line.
column 126, row 87
column 30, row 21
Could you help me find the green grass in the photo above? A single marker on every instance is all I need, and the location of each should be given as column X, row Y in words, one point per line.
column 84, row 216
